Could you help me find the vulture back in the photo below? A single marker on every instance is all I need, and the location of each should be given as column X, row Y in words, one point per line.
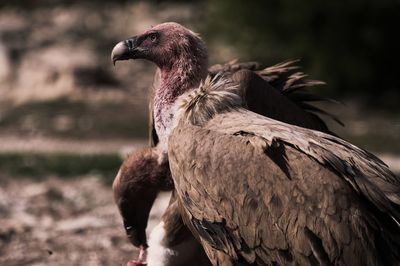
column 270, row 193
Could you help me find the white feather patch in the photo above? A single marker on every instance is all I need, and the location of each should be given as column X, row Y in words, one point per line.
column 158, row 254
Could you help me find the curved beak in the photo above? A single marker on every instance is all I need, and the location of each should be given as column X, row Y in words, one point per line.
column 125, row 50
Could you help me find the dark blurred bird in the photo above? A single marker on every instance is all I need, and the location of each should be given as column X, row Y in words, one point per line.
column 135, row 187
column 184, row 53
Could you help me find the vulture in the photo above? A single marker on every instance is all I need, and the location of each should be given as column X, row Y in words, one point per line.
column 254, row 190
column 135, row 188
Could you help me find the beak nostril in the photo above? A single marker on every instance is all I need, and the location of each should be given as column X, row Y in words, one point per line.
column 129, row 43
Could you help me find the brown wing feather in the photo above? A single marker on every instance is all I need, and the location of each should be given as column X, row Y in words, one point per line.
column 367, row 174
column 285, row 78
column 272, row 203
column 260, row 97
column 233, row 66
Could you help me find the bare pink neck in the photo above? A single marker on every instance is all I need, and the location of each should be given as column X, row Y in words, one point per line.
column 181, row 77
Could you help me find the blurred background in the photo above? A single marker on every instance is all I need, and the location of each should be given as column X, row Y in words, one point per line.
column 68, row 117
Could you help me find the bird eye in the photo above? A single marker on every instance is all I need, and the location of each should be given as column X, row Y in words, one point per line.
column 153, row 37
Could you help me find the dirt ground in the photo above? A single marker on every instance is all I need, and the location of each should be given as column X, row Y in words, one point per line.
column 63, row 222
column 69, row 221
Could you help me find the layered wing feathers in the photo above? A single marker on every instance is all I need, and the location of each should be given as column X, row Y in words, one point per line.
column 244, row 202
column 267, row 192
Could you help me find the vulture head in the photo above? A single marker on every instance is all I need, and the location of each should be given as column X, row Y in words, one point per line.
column 181, row 56
column 135, row 188
column 165, row 45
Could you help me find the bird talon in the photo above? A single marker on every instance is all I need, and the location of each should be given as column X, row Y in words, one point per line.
column 136, row 263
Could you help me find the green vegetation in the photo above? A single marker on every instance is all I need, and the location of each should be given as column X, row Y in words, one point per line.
column 349, row 44
column 76, row 119
column 375, row 142
column 41, row 165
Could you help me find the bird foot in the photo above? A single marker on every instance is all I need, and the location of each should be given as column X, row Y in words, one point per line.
column 136, row 263
column 141, row 260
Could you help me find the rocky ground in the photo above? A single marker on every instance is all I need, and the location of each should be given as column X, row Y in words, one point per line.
column 59, row 222
column 56, row 220
column 73, row 221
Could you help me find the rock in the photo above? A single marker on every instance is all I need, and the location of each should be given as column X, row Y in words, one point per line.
column 5, row 69
column 48, row 73
column 78, row 224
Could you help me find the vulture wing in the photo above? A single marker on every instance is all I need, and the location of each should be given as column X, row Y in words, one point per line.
column 270, row 193
column 260, row 97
